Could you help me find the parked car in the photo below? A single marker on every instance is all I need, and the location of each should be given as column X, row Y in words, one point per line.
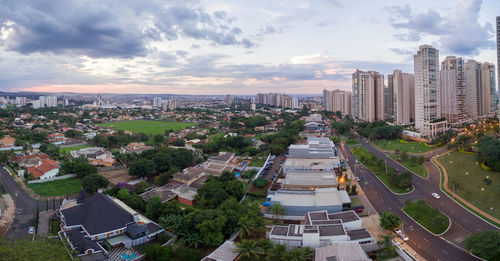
column 398, row 231
column 358, row 210
column 358, row 207
column 436, row 195
column 357, row 179
column 404, row 237
column 31, row 230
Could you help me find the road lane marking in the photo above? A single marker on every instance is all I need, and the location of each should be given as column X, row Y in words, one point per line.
column 445, row 252
column 425, row 239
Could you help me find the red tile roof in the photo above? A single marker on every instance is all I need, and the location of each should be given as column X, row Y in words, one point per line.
column 46, row 166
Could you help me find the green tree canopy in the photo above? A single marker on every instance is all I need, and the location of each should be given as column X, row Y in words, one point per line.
column 389, row 220
column 485, row 244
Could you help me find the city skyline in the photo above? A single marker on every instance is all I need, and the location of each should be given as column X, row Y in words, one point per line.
column 213, row 47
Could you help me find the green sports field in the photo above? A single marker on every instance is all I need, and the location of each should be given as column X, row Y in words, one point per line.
column 147, row 126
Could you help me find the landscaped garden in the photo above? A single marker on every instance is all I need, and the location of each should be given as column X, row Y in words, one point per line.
column 147, row 126
column 408, row 146
column 427, row 216
column 57, row 187
column 397, row 182
column 466, row 178
column 351, row 142
column 413, row 163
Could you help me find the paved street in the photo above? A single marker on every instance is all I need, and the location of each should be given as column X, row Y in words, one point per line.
column 25, row 207
column 425, row 243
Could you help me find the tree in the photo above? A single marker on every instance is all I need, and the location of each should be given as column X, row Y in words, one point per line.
column 154, row 207
column 277, row 210
column 247, row 249
column 158, row 139
column 140, row 187
column 81, row 167
column 386, row 240
column 389, row 220
column 260, row 182
column 141, row 168
column 91, row 183
column 485, row 244
column 158, row 253
column 248, row 227
column 123, row 194
column 179, row 143
column 279, row 252
column 189, row 254
column 300, row 254
column 162, row 179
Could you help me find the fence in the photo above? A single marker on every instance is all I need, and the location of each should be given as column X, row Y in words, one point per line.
column 103, row 169
column 52, row 179
column 72, row 145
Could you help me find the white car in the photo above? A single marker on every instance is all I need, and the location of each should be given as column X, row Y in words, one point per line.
column 436, row 195
column 398, row 231
column 358, row 179
column 31, row 231
column 404, row 237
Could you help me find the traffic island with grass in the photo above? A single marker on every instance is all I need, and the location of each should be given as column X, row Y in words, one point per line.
column 476, row 185
column 402, row 145
column 414, row 164
column 427, row 216
column 397, row 182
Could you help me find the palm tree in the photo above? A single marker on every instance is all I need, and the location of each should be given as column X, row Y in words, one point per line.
column 277, row 210
column 386, row 240
column 248, row 227
column 278, row 253
column 300, row 254
column 247, row 249
column 264, row 246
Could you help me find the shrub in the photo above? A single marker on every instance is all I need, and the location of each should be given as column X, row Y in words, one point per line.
column 260, row 182
column 189, row 254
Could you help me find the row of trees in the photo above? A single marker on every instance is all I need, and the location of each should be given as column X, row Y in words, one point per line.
column 160, row 160
column 379, row 130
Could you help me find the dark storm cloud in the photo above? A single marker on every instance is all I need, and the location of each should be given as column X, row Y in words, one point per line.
column 104, row 29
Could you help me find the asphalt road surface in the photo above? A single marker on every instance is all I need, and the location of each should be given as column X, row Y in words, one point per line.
column 25, row 207
column 430, row 246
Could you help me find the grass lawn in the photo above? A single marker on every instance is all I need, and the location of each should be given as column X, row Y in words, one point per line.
column 351, row 142
column 147, row 126
column 68, row 149
column 54, row 226
column 413, row 146
column 413, row 166
column 466, row 178
column 257, row 162
column 380, row 172
column 57, row 187
column 427, row 216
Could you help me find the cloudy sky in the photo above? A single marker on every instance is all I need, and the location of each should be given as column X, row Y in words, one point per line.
column 219, row 47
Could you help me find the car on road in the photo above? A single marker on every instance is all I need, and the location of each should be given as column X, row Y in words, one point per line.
column 398, row 231
column 31, row 230
column 436, row 195
column 358, row 179
column 404, row 237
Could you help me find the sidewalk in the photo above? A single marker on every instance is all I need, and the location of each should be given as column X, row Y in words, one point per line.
column 462, row 201
column 8, row 210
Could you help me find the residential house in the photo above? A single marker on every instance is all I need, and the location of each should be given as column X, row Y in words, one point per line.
column 46, row 169
column 346, row 251
column 189, row 175
column 135, row 147
column 322, row 229
column 97, row 156
column 225, row 252
column 56, row 138
column 7, row 142
column 89, row 222
column 216, row 165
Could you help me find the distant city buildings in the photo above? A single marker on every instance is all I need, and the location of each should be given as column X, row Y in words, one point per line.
column 229, row 100
column 277, row 99
column 44, row 101
column 337, row 100
column 368, row 95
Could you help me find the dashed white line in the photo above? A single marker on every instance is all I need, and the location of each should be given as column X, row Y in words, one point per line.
column 445, row 252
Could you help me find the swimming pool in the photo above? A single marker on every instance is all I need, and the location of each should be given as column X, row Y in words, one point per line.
column 244, row 163
column 238, row 174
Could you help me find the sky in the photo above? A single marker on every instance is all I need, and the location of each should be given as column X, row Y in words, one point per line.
column 228, row 47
